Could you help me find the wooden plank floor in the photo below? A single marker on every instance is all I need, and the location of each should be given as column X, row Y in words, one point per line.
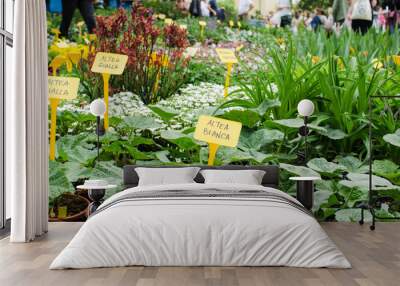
column 375, row 257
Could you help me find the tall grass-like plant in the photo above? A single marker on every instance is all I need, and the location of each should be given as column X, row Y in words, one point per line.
column 281, row 77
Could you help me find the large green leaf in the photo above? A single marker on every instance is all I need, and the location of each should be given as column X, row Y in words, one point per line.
column 164, row 112
column 321, row 198
column 227, row 155
column 163, row 156
column 393, row 139
column 81, row 155
column 334, row 134
column 184, row 141
column 353, row 195
column 387, row 169
column 106, row 170
column 266, row 105
column 353, row 164
column 297, row 123
column 322, row 166
column 362, row 181
column 58, row 181
column 250, row 140
column 141, row 122
column 352, row 215
column 76, row 171
column 299, row 170
column 75, row 148
column 247, row 117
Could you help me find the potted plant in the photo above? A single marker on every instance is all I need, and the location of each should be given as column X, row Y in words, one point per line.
column 68, row 207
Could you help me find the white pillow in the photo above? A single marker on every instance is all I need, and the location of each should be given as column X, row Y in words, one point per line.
column 166, row 176
column 247, row 177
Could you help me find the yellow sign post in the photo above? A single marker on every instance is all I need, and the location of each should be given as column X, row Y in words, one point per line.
column 203, row 25
column 217, row 132
column 227, row 57
column 59, row 88
column 108, row 64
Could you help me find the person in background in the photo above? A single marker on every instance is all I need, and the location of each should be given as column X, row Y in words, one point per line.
column 297, row 20
column 195, row 8
column 318, row 19
column 99, row 4
column 361, row 16
column 86, row 9
column 382, row 19
column 182, row 6
column 392, row 8
column 339, row 11
column 213, row 7
column 245, row 7
column 329, row 21
column 285, row 13
column 205, row 8
column 375, row 13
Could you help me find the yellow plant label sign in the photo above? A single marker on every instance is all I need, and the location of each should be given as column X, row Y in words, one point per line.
column 183, row 26
column 63, row 87
column 168, row 21
column 203, row 23
column 109, row 63
column 227, row 56
column 161, row 16
column 231, row 23
column 218, row 131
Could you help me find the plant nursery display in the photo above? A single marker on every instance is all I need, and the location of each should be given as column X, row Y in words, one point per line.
column 155, row 104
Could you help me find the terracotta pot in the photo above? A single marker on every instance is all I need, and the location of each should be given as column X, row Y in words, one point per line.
column 75, row 217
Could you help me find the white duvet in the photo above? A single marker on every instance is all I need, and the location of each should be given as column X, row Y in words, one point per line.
column 200, row 232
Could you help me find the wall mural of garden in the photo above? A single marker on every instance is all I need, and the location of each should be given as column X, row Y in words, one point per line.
column 155, row 104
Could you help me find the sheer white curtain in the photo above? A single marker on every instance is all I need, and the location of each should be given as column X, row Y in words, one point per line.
column 27, row 124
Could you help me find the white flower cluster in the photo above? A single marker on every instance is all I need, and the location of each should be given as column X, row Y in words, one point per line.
column 190, row 102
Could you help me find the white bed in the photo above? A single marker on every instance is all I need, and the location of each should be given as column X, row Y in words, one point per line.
column 201, row 231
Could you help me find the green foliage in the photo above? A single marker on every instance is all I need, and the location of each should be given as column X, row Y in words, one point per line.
column 338, row 73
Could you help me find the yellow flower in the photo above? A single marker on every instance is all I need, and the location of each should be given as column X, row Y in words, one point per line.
column 280, row 41
column 396, row 60
column 377, row 64
column 315, row 59
column 92, row 37
column 340, row 63
column 155, row 56
column 57, row 62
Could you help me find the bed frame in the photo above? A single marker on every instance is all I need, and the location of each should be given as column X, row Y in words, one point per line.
column 271, row 177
